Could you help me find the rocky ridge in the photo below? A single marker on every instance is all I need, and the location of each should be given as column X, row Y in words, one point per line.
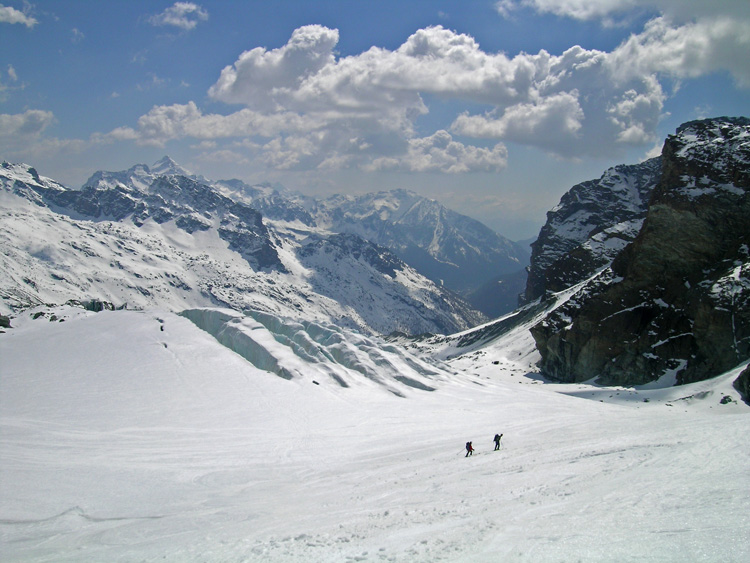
column 592, row 223
column 449, row 248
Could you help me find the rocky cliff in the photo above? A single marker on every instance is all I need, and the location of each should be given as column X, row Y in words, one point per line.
column 592, row 223
column 676, row 302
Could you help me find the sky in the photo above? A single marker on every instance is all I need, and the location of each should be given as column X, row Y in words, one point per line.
column 494, row 108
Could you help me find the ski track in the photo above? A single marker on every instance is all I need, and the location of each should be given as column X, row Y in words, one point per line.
column 185, row 452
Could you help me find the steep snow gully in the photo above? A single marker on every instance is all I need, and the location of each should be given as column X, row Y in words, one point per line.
column 137, row 436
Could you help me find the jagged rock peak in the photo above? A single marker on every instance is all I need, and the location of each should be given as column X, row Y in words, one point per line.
column 592, row 223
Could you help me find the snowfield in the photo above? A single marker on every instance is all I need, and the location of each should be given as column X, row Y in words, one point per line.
column 136, row 436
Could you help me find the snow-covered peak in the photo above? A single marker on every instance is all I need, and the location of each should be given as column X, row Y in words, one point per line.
column 167, row 166
column 25, row 174
column 712, row 154
column 445, row 246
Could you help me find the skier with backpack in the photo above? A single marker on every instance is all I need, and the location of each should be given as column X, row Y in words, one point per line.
column 469, row 449
column 496, row 439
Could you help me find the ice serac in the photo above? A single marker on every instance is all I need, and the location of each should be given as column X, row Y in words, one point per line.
column 294, row 349
column 675, row 302
column 592, row 223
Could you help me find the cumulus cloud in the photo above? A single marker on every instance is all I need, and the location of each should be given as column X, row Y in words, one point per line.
column 683, row 38
column 689, row 50
column 259, row 77
column 11, row 15
column 440, row 153
column 303, row 107
column 553, row 122
column 185, row 15
column 177, row 121
column 605, row 10
column 574, row 104
column 31, row 123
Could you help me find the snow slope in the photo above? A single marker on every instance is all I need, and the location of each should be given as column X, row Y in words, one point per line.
column 137, row 436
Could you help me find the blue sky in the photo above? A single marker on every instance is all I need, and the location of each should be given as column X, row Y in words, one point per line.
column 493, row 108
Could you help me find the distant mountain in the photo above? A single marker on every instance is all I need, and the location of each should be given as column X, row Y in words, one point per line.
column 452, row 250
column 449, row 248
column 499, row 295
column 153, row 236
column 675, row 303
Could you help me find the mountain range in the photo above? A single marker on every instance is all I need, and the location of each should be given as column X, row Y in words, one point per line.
column 194, row 370
column 159, row 236
column 639, row 276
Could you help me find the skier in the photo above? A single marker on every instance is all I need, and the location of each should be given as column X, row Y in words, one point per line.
column 469, row 449
column 497, row 441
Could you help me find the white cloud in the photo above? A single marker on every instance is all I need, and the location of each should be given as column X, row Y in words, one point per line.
column 552, row 121
column 5, row 89
column 22, row 136
column 306, row 108
column 568, row 104
column 605, row 10
column 29, row 124
column 165, row 123
column 261, row 78
column 684, row 38
column 690, row 50
column 185, row 15
column 11, row 15
column 690, row 38
column 579, row 9
column 440, row 153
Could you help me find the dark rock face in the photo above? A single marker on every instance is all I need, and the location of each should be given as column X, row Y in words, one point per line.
column 592, row 223
column 677, row 300
column 742, row 384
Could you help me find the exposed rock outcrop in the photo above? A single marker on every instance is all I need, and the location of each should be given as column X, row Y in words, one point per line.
column 742, row 384
column 676, row 302
column 592, row 223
